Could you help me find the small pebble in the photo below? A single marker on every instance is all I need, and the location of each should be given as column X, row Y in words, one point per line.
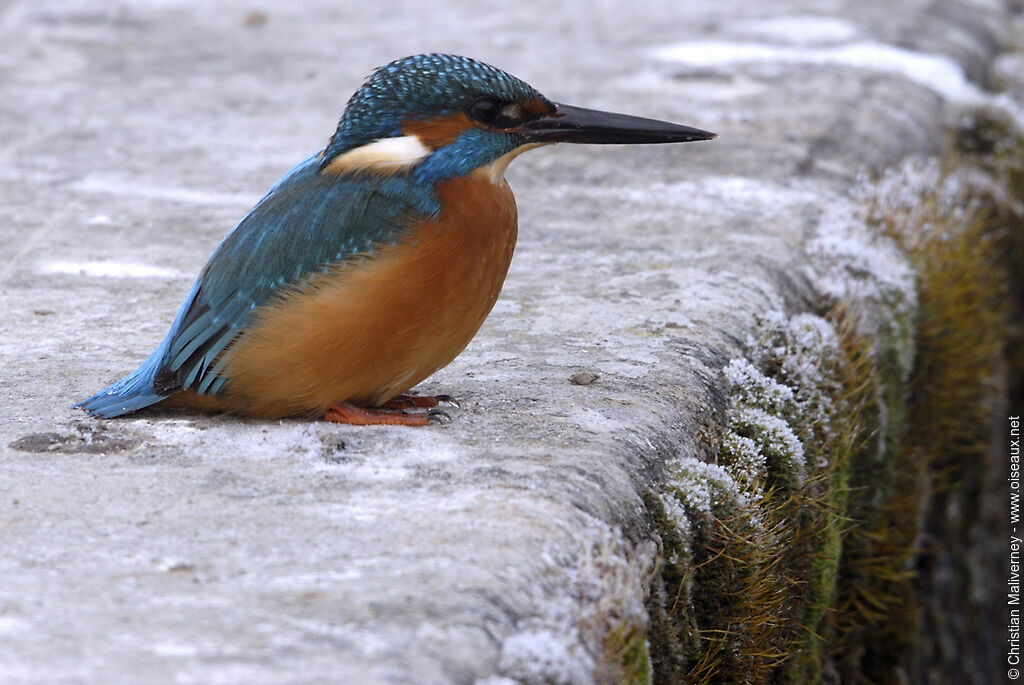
column 583, row 378
column 255, row 19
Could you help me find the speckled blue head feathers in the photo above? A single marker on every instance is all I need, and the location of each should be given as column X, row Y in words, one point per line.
column 437, row 117
column 418, row 87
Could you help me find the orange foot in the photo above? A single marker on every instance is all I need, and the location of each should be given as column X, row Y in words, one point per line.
column 346, row 412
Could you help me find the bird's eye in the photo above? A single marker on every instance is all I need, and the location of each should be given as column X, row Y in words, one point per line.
column 485, row 110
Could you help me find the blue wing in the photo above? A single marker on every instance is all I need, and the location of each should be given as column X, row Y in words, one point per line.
column 305, row 223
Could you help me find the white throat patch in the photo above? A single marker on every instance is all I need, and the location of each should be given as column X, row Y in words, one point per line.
column 496, row 169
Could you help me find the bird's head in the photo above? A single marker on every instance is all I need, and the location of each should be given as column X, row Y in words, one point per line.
column 440, row 116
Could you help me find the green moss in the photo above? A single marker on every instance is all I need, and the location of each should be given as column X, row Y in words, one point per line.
column 741, row 605
column 846, row 578
column 673, row 637
column 853, row 422
column 893, row 608
column 625, row 646
column 752, row 552
column 790, row 565
column 991, row 141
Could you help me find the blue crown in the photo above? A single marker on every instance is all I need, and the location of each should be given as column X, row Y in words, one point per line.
column 418, row 87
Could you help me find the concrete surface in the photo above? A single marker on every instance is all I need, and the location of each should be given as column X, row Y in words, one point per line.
column 178, row 548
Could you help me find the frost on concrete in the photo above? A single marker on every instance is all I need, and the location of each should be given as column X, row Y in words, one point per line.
column 543, row 655
column 857, row 256
column 107, row 269
column 937, row 72
column 906, row 200
column 594, row 623
column 856, row 264
column 803, row 39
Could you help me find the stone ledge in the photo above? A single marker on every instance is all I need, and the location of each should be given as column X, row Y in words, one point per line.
column 533, row 538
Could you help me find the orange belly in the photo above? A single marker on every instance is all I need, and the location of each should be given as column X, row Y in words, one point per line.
column 375, row 327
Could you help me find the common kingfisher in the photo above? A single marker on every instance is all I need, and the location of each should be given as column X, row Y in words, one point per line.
column 374, row 262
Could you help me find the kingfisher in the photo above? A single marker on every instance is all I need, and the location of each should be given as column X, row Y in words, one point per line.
column 373, row 263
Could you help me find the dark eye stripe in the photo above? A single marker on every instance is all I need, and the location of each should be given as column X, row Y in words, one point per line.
column 494, row 113
column 485, row 110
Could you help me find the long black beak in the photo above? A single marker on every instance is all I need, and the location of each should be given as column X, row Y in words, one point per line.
column 568, row 124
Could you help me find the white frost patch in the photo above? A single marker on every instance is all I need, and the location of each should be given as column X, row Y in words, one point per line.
column 855, row 262
column 757, row 194
column 748, row 464
column 108, row 270
column 908, row 196
column 596, row 422
column 752, row 387
column 937, row 72
column 582, row 599
column 113, row 185
column 799, row 346
column 811, row 342
column 766, row 412
column 775, row 435
column 702, row 485
column 175, row 650
column 680, row 521
column 13, row 624
column 542, row 656
column 708, row 195
column 311, row 581
column 801, row 29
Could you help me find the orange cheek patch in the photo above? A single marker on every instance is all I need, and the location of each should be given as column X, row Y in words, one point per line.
column 534, row 108
column 436, row 133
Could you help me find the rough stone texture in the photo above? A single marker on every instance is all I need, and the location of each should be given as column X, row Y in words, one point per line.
column 179, row 548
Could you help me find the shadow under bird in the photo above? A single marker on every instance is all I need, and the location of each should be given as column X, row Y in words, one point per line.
column 373, row 263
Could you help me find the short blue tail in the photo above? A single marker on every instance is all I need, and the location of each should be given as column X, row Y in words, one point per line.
column 135, row 391
column 131, row 393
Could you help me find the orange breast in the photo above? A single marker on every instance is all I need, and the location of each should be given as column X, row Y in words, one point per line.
column 373, row 328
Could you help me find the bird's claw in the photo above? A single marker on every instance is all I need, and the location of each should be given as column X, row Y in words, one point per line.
column 439, row 417
column 406, row 401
